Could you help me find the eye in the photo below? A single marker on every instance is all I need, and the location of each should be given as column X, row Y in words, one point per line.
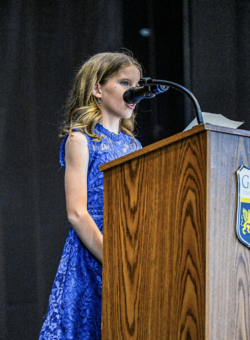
column 124, row 83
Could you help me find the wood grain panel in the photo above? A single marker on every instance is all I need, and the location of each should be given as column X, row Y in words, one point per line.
column 155, row 244
column 228, row 267
column 173, row 139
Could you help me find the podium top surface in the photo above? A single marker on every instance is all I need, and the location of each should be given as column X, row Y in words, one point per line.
column 179, row 136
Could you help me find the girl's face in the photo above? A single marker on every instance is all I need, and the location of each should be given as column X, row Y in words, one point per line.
column 111, row 94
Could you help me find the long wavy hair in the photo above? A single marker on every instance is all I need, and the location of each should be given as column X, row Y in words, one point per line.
column 83, row 111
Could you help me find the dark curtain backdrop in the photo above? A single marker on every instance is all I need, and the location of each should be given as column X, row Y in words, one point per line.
column 43, row 44
column 201, row 44
column 217, row 49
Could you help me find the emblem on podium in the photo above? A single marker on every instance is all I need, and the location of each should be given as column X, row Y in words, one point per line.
column 243, row 209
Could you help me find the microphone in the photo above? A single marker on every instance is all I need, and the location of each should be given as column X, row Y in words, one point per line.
column 149, row 88
column 135, row 94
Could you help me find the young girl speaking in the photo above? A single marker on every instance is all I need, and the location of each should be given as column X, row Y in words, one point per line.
column 99, row 128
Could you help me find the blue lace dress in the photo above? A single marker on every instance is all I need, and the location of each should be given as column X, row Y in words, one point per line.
column 74, row 310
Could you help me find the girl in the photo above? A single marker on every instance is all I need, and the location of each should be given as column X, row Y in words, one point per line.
column 99, row 128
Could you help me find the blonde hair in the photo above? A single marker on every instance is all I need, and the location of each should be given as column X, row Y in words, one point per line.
column 83, row 111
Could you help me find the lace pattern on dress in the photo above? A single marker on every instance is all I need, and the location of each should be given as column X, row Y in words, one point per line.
column 74, row 310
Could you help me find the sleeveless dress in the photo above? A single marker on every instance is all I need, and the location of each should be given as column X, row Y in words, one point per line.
column 74, row 310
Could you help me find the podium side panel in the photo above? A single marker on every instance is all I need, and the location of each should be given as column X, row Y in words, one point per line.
column 228, row 278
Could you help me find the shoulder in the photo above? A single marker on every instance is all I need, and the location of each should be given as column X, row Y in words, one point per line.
column 139, row 146
column 74, row 146
column 76, row 139
column 136, row 144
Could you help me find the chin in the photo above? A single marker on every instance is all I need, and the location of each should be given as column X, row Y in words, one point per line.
column 128, row 115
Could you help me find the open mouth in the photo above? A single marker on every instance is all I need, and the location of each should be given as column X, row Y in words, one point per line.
column 131, row 106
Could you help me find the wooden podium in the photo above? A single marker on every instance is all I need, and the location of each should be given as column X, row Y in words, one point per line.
column 173, row 267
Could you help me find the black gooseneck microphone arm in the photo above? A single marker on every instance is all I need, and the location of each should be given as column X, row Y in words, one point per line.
column 148, row 81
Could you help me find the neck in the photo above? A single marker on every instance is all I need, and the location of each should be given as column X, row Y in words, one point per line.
column 111, row 124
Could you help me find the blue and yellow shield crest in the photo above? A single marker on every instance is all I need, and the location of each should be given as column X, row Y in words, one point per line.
column 243, row 209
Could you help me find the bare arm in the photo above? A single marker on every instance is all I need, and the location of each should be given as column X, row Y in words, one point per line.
column 76, row 160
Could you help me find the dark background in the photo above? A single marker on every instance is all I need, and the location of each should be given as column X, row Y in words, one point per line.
column 201, row 44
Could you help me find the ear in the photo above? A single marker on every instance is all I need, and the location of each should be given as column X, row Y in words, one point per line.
column 97, row 91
